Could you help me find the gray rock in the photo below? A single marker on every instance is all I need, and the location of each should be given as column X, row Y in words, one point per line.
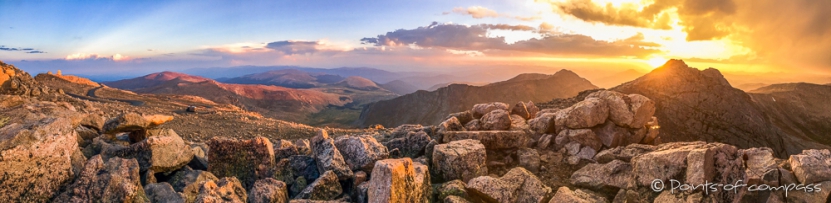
column 284, row 149
column 326, row 187
column 247, row 160
column 162, row 151
column 464, row 160
column 619, row 111
column 328, row 157
column 493, row 189
column 463, row 117
column 623, row 153
column 162, row 193
column 529, row 159
column 116, row 180
column 453, row 188
column 642, row 108
column 361, row 152
column 39, row 152
column 612, row 135
column 413, row 144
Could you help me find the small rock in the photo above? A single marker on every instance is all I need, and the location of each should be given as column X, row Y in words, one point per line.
column 361, row 152
column 529, row 159
column 395, row 180
column 451, row 124
column 525, row 110
column 463, row 117
column 474, row 125
column 576, row 196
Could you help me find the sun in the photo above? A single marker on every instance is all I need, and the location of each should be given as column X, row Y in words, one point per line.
column 654, row 62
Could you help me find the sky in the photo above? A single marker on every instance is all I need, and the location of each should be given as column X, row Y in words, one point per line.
column 773, row 41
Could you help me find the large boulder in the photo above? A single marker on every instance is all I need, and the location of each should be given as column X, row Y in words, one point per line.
column 397, row 180
column 268, row 191
column 361, row 152
column 585, row 114
column 480, row 110
column 40, row 153
column 608, row 177
column 247, row 160
column 135, row 124
column 227, row 189
column 326, row 187
column 496, row 120
column 525, row 110
column 162, row 193
column 812, row 166
column 760, row 166
column 492, row 189
column 491, row 139
column 116, row 180
column 463, row 159
column 162, row 151
column 328, row 157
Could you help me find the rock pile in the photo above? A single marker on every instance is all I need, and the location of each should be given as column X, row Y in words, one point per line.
column 608, row 145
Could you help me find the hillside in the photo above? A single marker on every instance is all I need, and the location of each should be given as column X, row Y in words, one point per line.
column 399, row 87
column 800, row 109
column 696, row 105
column 357, row 82
column 291, row 78
column 272, row 101
column 423, row 107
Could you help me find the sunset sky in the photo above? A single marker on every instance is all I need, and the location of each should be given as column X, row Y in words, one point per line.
column 782, row 40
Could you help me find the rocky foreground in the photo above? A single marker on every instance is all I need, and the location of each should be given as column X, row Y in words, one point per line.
column 605, row 148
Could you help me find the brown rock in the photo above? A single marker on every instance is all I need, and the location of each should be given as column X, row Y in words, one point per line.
column 543, row 124
column 565, row 195
column 117, row 180
column 463, row 117
column 413, row 144
column 247, row 160
column 454, row 199
column 464, row 160
column 519, row 123
column 284, row 149
column 496, row 120
column 585, row 114
column 268, row 191
column 395, row 180
column 451, row 124
column 612, row 135
column 619, row 111
column 474, row 125
column 227, row 189
column 623, row 153
column 491, row 139
column 188, row 182
column 700, row 166
column 480, row 110
column 819, row 193
column 585, row 137
column 525, row 110
column 642, row 110
column 530, row 188
column 529, row 159
column 453, row 188
column 493, row 189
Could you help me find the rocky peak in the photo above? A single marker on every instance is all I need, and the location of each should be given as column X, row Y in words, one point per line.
column 14, row 81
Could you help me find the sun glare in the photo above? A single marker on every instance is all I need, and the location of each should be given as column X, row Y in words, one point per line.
column 654, row 62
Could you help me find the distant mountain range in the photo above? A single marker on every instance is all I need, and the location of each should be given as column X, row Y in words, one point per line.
column 423, row 107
